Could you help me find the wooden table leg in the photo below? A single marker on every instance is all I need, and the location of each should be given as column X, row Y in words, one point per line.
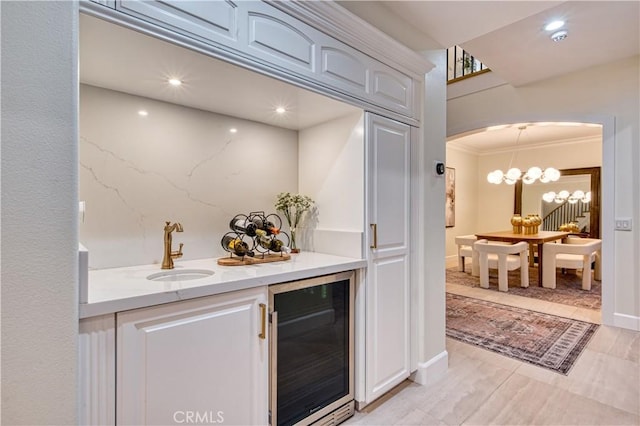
column 532, row 255
column 540, row 265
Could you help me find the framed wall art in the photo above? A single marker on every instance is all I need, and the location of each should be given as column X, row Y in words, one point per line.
column 450, row 197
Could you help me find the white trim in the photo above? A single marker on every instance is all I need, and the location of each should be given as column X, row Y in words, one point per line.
column 336, row 21
column 433, row 370
column 626, row 321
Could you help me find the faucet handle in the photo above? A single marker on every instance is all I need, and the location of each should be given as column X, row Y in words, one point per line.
column 179, row 252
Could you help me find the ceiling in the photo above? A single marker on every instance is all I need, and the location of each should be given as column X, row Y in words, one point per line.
column 117, row 58
column 508, row 37
column 509, row 137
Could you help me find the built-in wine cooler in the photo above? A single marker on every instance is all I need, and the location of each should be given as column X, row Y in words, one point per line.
column 312, row 351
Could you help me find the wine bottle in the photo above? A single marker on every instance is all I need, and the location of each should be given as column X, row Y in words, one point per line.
column 236, row 246
column 243, row 225
column 265, row 225
column 272, row 244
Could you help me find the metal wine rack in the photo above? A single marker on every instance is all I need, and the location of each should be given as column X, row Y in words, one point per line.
column 253, row 245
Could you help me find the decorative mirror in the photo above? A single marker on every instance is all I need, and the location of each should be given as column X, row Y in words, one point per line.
column 560, row 211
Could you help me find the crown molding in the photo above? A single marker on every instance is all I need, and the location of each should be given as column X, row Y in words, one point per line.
column 337, row 22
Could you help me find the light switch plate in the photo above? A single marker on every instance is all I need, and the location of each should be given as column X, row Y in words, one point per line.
column 623, row 224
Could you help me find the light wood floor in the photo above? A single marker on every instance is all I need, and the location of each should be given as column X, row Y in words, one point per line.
column 484, row 388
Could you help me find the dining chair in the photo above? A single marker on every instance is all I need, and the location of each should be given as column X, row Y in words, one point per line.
column 504, row 258
column 572, row 253
column 465, row 249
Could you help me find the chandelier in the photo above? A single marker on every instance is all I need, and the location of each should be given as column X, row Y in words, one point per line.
column 565, row 195
column 513, row 174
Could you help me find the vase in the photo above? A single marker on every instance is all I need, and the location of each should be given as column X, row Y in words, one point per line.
column 294, row 248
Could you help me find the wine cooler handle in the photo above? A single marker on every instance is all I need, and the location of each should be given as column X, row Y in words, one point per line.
column 374, row 228
column 273, row 361
column 263, row 320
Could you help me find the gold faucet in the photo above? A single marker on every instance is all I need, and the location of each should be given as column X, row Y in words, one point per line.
column 167, row 260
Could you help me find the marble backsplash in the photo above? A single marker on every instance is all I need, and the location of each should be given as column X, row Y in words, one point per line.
column 176, row 164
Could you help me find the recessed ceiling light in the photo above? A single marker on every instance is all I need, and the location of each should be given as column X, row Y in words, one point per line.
column 233, row 130
column 559, row 36
column 554, row 25
column 281, row 110
column 143, row 113
column 175, row 82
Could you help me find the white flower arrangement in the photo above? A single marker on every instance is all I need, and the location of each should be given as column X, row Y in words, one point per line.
column 293, row 206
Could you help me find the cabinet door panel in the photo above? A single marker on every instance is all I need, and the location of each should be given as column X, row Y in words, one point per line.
column 206, row 20
column 276, row 38
column 388, row 281
column 392, row 89
column 200, row 358
column 389, row 340
column 344, row 67
column 389, row 185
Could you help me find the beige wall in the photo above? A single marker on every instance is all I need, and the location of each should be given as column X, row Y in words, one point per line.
column 466, row 204
column 495, row 202
column 604, row 94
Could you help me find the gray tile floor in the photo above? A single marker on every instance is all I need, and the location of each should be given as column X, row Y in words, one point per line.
column 484, row 388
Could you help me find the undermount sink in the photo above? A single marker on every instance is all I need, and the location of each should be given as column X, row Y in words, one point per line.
column 180, row 275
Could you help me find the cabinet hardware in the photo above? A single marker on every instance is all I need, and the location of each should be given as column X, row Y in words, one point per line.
column 374, row 227
column 263, row 318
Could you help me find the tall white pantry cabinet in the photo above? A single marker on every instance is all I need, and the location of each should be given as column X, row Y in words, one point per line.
column 133, row 361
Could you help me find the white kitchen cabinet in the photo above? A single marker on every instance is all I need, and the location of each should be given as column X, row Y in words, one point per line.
column 203, row 359
column 108, row 3
column 387, row 355
column 261, row 33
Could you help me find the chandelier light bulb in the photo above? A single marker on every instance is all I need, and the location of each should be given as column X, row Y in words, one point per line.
column 565, row 195
column 513, row 173
column 509, row 181
column 552, row 174
column 534, row 172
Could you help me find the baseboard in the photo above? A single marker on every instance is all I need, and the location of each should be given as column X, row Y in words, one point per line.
column 431, row 371
column 629, row 322
column 451, row 261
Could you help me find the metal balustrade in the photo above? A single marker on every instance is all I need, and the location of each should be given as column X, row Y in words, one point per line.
column 461, row 64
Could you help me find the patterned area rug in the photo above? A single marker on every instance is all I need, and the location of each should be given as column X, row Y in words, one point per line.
column 568, row 289
column 540, row 339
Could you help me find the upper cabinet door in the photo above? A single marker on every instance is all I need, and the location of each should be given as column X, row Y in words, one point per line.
column 204, row 20
column 388, row 280
column 258, row 32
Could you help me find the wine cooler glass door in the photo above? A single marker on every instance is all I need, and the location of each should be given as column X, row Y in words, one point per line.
column 312, row 352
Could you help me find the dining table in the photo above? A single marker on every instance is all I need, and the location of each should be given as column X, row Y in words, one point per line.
column 534, row 240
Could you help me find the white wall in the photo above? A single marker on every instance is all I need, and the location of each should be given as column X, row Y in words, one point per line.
column 39, row 213
column 177, row 164
column 606, row 94
column 331, row 172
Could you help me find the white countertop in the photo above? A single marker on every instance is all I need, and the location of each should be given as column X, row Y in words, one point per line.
column 121, row 289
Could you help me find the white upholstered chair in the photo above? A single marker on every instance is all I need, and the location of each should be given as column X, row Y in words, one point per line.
column 572, row 253
column 504, row 258
column 465, row 249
